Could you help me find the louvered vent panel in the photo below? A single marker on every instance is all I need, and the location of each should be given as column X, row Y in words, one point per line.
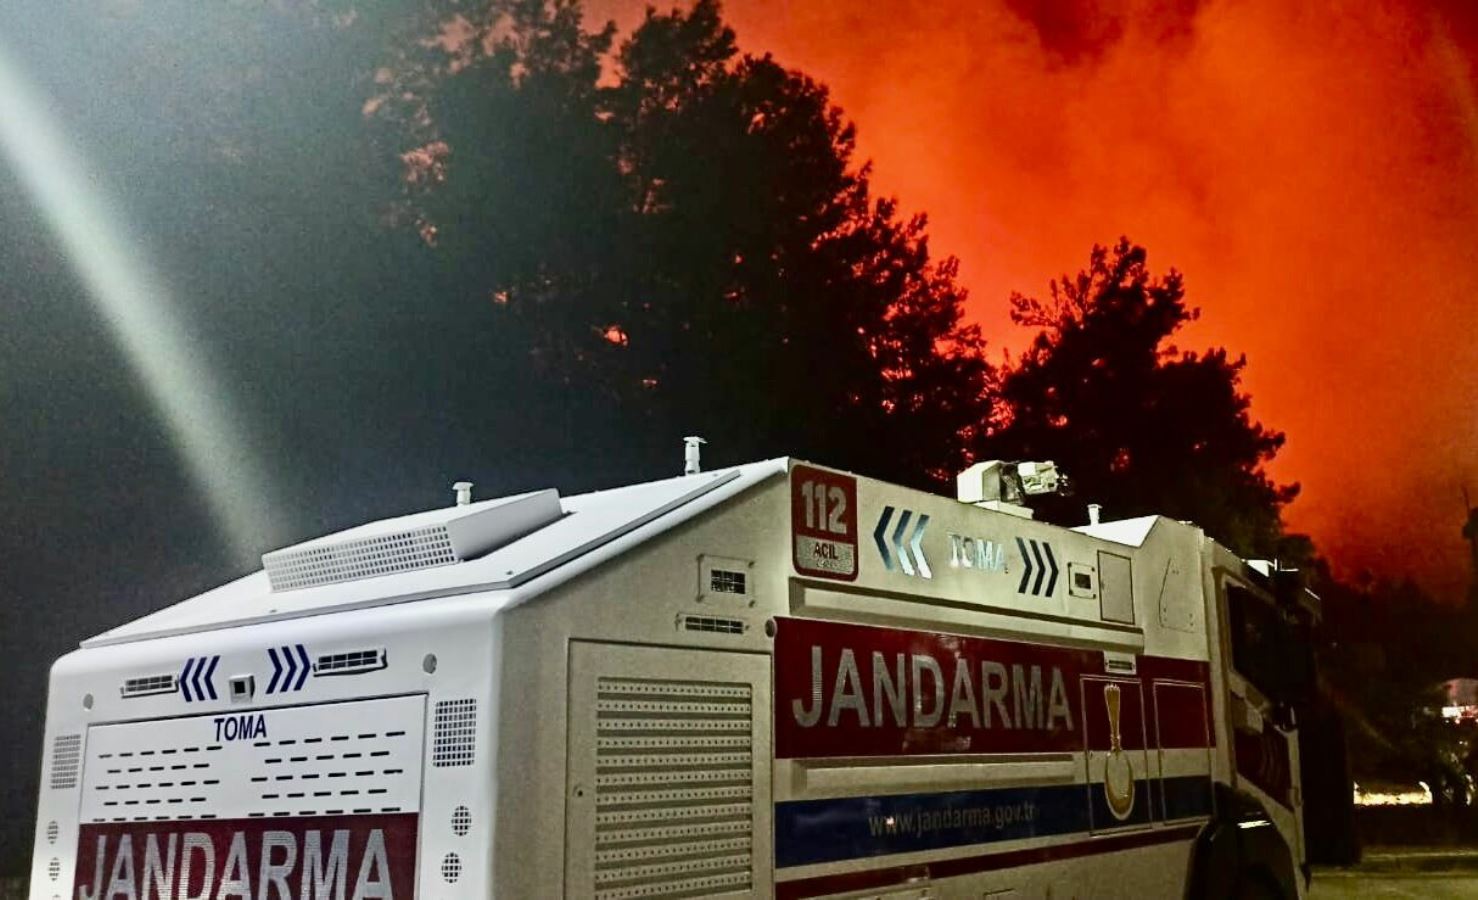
column 674, row 788
column 350, row 662
column 712, row 624
column 147, row 685
column 419, row 548
column 352, row 758
column 66, row 760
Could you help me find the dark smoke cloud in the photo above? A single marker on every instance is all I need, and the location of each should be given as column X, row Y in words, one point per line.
column 1310, row 167
column 1077, row 32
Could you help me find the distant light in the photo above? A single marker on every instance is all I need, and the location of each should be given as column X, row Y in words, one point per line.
column 135, row 304
column 1461, row 713
column 1421, row 797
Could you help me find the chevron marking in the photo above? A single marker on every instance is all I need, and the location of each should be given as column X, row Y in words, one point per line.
column 879, row 535
column 276, row 670
column 185, row 680
column 916, row 544
column 898, row 532
column 1026, row 566
column 303, row 675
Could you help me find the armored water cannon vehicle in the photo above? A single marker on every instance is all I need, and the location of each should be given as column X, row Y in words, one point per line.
column 777, row 679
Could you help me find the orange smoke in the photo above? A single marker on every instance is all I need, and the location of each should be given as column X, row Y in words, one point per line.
column 1311, row 168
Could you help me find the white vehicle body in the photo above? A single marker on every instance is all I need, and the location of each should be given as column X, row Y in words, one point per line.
column 773, row 680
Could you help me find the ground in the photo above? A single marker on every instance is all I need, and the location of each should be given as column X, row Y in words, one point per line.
column 1423, row 885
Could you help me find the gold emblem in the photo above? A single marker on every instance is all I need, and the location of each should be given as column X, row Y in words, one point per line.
column 1118, row 774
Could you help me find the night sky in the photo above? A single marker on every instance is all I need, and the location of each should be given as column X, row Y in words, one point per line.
column 1311, row 168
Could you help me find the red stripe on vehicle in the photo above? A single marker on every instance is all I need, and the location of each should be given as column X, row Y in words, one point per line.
column 861, row 690
column 858, row 690
column 1181, row 716
column 278, row 856
column 1170, row 668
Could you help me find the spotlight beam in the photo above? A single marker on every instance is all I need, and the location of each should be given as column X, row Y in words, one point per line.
column 135, row 304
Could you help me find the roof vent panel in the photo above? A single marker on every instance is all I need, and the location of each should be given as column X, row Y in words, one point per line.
column 410, row 543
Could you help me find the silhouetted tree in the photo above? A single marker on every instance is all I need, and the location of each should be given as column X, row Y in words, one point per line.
column 1141, row 426
column 683, row 244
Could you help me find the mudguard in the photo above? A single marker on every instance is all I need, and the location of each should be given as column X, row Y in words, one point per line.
column 1240, row 844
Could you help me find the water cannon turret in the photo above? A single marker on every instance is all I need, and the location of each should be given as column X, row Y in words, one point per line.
column 1003, row 486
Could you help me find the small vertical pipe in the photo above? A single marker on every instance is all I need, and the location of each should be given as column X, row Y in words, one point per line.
column 693, row 455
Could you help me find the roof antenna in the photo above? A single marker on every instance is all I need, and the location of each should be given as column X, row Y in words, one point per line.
column 464, row 492
column 693, row 454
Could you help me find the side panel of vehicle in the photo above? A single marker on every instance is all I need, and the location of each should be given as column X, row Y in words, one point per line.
column 358, row 736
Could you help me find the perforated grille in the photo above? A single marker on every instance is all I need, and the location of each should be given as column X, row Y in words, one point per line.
column 454, row 742
column 420, row 548
column 674, row 788
column 451, row 867
column 461, row 821
column 66, row 760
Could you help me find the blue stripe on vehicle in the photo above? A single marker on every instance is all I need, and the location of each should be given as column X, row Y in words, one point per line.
column 1187, row 797
column 821, row 831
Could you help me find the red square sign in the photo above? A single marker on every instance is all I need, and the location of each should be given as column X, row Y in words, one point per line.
column 823, row 523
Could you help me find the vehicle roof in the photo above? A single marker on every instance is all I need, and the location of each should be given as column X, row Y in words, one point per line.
column 1131, row 532
column 594, row 528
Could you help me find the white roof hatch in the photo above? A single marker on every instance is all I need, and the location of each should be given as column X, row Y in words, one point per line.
column 437, row 537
